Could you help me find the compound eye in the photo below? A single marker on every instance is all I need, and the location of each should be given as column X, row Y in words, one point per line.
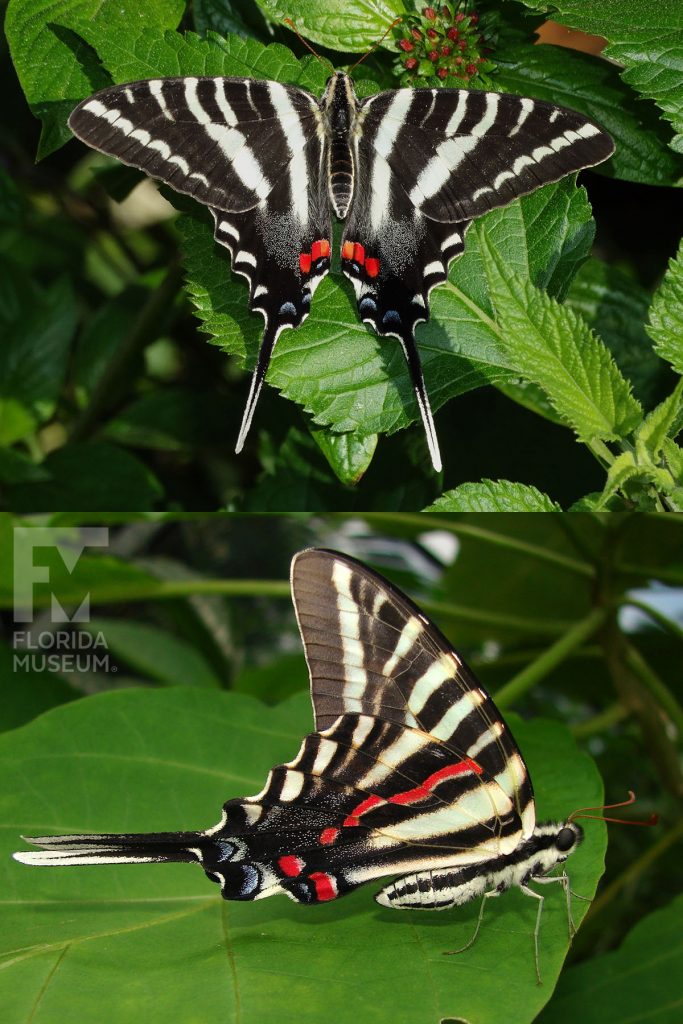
column 566, row 838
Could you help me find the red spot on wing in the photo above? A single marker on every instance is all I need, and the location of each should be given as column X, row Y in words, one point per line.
column 291, row 866
column 358, row 253
column 372, row 266
column 408, row 796
column 325, row 886
column 305, row 262
column 347, row 251
column 411, row 796
column 320, row 249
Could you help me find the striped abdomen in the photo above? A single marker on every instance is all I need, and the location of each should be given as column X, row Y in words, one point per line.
column 340, row 176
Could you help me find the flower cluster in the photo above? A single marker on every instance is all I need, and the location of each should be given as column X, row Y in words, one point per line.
column 444, row 41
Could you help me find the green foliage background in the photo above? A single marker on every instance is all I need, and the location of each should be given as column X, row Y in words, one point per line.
column 573, row 622
column 555, row 362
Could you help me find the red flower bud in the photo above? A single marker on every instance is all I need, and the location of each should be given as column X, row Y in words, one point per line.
column 474, row 18
column 458, row 60
column 442, row 72
column 459, row 17
column 433, row 55
column 452, row 33
column 432, row 33
column 429, row 13
column 410, row 64
column 405, row 45
column 445, row 51
column 462, row 44
column 471, row 69
column 416, row 34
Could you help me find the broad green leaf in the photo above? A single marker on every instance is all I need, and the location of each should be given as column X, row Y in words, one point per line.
column 593, row 86
column 349, row 455
column 666, row 314
column 153, row 652
column 143, row 760
column 494, row 496
column 56, row 69
column 16, row 468
column 646, row 41
column 36, row 341
column 229, row 16
column 616, row 307
column 339, row 24
column 175, row 419
column 89, row 477
column 640, row 981
column 556, row 350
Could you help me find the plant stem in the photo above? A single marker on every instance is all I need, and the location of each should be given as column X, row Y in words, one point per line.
column 551, row 657
column 655, row 685
column 599, row 723
column 462, row 529
column 653, row 613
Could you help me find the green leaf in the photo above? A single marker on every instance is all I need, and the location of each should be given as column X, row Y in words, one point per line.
column 140, row 760
column 349, row 455
column 55, row 67
column 666, row 314
column 89, row 477
column 351, row 25
column 153, row 652
column 592, row 86
column 640, row 981
column 616, row 307
column 37, row 333
column 555, row 349
column 494, row 496
column 659, row 424
column 274, row 681
column 623, row 469
column 647, row 42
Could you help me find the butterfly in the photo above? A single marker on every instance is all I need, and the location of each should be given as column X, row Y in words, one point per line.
column 406, row 169
column 411, row 772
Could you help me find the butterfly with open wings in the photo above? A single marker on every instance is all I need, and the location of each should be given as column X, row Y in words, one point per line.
column 406, row 169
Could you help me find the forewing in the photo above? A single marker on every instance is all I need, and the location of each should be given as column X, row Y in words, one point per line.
column 459, row 153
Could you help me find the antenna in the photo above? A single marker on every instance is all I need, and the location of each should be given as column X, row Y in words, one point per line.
column 395, row 22
column 288, row 21
column 608, row 807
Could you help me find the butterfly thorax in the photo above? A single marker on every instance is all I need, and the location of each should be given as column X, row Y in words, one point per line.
column 339, row 106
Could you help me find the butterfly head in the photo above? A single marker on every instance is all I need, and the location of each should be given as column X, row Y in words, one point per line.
column 552, row 843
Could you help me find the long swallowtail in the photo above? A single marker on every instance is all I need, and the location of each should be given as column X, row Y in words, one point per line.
column 407, row 170
column 411, row 771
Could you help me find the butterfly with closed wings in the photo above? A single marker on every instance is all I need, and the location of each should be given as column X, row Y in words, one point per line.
column 411, row 772
column 406, row 169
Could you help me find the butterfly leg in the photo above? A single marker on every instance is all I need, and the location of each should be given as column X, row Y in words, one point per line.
column 537, row 896
column 487, row 895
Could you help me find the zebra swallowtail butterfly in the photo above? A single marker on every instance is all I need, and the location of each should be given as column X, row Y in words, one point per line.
column 411, row 771
column 406, row 169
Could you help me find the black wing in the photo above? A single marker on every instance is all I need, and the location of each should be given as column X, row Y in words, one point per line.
column 251, row 151
column 429, row 161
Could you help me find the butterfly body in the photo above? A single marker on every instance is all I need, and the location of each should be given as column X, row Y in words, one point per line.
column 406, row 169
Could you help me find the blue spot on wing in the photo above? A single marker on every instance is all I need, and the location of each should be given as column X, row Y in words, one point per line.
column 287, row 307
column 367, row 304
column 391, row 318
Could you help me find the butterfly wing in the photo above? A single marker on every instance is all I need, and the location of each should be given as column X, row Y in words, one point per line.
column 412, row 766
column 430, row 161
column 251, row 151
